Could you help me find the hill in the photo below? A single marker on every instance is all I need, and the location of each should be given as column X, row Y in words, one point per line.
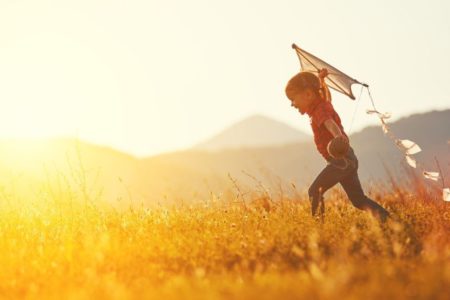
column 194, row 174
column 299, row 163
column 254, row 131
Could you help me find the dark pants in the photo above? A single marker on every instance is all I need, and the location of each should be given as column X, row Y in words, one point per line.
column 344, row 171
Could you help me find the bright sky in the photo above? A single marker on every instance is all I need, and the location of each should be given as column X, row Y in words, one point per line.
column 152, row 76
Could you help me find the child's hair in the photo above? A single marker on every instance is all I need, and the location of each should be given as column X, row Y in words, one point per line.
column 302, row 81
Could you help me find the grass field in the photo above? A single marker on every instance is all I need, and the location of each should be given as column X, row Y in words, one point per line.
column 57, row 246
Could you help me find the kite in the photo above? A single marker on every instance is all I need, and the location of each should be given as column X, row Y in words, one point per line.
column 336, row 79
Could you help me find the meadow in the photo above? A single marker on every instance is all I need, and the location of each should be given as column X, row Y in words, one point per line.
column 66, row 244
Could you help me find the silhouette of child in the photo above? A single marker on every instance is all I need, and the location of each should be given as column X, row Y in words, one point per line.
column 309, row 94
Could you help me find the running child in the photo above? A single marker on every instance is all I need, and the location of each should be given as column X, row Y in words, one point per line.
column 309, row 94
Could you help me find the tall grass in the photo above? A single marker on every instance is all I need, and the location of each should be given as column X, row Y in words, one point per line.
column 65, row 243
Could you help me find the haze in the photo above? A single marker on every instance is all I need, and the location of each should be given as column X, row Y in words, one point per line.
column 153, row 76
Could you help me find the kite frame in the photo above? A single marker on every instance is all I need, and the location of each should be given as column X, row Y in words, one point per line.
column 299, row 51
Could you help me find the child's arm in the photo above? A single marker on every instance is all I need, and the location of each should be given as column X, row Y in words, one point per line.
column 322, row 74
column 334, row 129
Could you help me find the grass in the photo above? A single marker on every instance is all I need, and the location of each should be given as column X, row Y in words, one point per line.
column 56, row 247
column 60, row 245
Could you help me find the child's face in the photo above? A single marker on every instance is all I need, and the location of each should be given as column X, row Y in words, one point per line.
column 301, row 99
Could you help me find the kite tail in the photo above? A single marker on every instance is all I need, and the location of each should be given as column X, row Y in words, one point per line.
column 408, row 148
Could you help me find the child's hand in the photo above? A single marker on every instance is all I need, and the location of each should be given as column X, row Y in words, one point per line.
column 343, row 138
column 323, row 73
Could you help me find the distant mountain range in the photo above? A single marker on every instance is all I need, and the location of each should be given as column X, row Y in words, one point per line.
column 273, row 155
column 300, row 162
column 254, row 131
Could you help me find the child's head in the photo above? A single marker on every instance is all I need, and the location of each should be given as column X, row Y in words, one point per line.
column 303, row 89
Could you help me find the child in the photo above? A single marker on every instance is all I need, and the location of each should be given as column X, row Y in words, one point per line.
column 309, row 94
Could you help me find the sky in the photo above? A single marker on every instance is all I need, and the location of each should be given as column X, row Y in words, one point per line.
column 148, row 77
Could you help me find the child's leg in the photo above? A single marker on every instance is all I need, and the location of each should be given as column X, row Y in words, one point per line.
column 355, row 193
column 333, row 173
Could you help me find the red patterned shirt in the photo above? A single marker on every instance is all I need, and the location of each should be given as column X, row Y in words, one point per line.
column 319, row 112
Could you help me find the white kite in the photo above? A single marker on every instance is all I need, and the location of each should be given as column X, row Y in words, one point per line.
column 336, row 79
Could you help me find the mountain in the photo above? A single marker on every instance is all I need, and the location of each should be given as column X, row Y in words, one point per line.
column 254, row 131
column 299, row 163
column 68, row 169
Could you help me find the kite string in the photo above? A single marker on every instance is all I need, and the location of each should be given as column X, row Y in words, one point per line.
column 356, row 108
